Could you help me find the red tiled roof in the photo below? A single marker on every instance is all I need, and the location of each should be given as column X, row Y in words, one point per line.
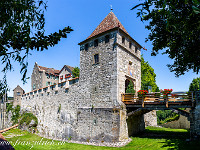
column 109, row 22
column 49, row 70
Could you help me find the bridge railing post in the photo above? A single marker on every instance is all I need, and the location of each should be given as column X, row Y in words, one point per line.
column 167, row 101
column 142, row 101
column 123, row 97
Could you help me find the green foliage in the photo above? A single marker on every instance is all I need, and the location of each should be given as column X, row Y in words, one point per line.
column 148, row 77
column 153, row 138
column 59, row 108
column 174, row 28
column 9, row 107
column 27, row 117
column 75, row 72
column 22, row 30
column 3, row 87
column 176, row 117
column 130, row 88
column 15, row 114
column 194, row 85
column 164, row 116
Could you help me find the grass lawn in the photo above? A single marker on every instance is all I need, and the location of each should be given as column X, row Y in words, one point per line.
column 152, row 139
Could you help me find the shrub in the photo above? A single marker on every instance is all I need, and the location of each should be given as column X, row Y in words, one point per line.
column 9, row 107
column 15, row 114
column 27, row 117
column 164, row 116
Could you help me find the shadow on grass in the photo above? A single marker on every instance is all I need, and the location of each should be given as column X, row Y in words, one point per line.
column 149, row 133
column 173, row 140
column 180, row 144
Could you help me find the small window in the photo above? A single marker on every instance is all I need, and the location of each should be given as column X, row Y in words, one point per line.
column 107, row 38
column 18, row 93
column 68, row 75
column 123, row 40
column 86, row 47
column 130, row 45
column 96, row 58
column 34, row 87
column 136, row 49
column 96, row 42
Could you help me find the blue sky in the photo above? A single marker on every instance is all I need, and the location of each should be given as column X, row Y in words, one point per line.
column 84, row 17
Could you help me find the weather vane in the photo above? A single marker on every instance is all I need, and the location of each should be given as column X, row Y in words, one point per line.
column 111, row 7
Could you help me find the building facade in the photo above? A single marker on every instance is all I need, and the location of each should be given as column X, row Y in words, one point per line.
column 65, row 73
column 43, row 76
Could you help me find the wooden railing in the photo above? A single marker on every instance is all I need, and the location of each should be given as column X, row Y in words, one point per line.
column 155, row 98
column 4, row 130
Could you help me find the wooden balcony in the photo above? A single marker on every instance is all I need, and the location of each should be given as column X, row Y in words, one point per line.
column 152, row 100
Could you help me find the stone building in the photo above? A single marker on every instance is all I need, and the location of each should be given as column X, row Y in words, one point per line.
column 91, row 108
column 43, row 76
column 17, row 93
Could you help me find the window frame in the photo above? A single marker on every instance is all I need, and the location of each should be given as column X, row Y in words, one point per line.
column 123, row 40
column 86, row 47
column 130, row 45
column 107, row 38
column 136, row 49
column 96, row 42
column 94, row 58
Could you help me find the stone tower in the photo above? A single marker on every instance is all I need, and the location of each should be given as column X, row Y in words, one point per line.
column 109, row 60
column 17, row 93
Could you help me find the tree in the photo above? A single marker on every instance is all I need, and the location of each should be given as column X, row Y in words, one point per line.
column 22, row 31
column 194, row 85
column 148, row 77
column 175, row 29
column 130, row 88
column 3, row 88
column 75, row 72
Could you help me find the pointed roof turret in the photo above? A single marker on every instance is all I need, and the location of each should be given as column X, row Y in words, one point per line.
column 109, row 22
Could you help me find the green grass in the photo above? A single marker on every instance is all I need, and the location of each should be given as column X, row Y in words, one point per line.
column 152, row 139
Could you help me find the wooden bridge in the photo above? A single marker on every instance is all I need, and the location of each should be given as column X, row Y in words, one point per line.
column 159, row 101
column 141, row 105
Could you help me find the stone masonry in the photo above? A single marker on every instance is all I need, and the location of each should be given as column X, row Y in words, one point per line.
column 90, row 108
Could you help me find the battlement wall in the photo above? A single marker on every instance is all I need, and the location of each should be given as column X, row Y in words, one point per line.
column 65, row 110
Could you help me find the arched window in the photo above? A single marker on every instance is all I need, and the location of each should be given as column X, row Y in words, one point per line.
column 129, row 86
column 127, row 81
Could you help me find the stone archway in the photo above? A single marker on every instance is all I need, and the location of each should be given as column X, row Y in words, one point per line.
column 127, row 82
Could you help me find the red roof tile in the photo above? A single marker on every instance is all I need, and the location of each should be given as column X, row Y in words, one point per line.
column 109, row 22
column 49, row 70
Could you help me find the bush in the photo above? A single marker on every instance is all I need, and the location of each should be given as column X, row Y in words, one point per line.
column 9, row 107
column 164, row 116
column 15, row 114
column 27, row 117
